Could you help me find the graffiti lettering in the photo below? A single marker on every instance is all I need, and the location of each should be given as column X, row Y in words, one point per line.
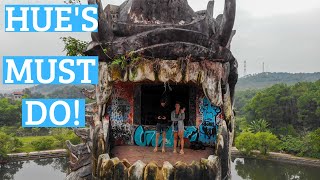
column 206, row 132
column 208, row 127
column 148, row 137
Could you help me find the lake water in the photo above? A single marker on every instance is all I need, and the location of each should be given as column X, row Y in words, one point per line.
column 56, row 168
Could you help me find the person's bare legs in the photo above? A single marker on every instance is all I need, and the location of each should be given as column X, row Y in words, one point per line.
column 175, row 142
column 181, row 141
column 157, row 142
column 163, row 141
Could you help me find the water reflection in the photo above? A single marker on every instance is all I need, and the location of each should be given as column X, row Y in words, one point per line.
column 255, row 169
column 7, row 171
column 252, row 169
column 48, row 169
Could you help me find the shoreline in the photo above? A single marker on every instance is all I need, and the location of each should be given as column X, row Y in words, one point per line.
column 278, row 157
column 37, row 155
column 235, row 153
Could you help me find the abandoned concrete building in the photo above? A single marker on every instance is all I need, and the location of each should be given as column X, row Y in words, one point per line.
column 150, row 49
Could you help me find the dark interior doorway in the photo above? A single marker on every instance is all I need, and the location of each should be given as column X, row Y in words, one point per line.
column 150, row 100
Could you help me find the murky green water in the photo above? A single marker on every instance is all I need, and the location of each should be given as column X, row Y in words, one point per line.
column 255, row 169
column 56, row 168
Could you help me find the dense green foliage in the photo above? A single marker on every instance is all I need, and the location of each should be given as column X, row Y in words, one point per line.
column 266, row 141
column 8, row 144
column 10, row 112
column 263, row 141
column 292, row 145
column 282, row 105
column 74, row 47
column 312, row 144
column 31, row 139
column 45, row 143
column 291, row 113
column 242, row 98
column 62, row 135
column 73, row 92
column 245, row 142
column 260, row 125
column 264, row 80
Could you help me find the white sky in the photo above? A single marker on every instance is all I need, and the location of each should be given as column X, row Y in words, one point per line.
column 282, row 33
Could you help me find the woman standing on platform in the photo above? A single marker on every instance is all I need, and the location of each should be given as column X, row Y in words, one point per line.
column 177, row 118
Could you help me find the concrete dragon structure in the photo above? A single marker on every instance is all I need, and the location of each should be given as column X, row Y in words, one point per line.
column 157, row 41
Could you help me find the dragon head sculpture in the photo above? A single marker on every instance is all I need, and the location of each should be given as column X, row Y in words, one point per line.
column 158, row 41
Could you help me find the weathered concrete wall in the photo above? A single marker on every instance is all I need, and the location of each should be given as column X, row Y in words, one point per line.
column 120, row 112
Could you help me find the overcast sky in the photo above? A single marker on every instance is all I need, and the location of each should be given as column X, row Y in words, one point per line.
column 284, row 34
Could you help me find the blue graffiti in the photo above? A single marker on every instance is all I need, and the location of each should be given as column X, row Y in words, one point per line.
column 208, row 127
column 206, row 133
column 148, row 137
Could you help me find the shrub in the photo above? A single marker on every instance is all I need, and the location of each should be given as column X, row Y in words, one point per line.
column 291, row 144
column 266, row 141
column 312, row 144
column 45, row 143
column 245, row 142
column 260, row 125
column 263, row 141
column 8, row 144
column 287, row 130
column 61, row 135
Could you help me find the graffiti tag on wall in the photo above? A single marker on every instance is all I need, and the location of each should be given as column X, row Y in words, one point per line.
column 120, row 107
column 119, row 114
column 205, row 134
column 148, row 137
column 208, row 127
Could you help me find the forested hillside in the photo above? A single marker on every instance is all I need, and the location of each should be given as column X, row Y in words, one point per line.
column 282, row 105
column 263, row 80
column 51, row 88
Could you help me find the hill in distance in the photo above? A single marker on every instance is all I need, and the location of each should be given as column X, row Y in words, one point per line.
column 267, row 79
column 50, row 88
column 256, row 81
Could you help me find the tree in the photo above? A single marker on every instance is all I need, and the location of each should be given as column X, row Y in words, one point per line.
column 266, row 141
column 245, row 142
column 282, row 105
column 10, row 112
column 312, row 144
column 260, row 125
column 8, row 144
column 292, row 145
column 74, row 47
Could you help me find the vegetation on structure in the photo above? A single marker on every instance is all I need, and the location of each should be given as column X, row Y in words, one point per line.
column 74, row 47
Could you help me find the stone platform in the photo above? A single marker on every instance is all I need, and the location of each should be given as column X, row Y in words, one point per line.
column 146, row 154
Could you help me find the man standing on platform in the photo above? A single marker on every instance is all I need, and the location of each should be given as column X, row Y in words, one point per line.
column 162, row 124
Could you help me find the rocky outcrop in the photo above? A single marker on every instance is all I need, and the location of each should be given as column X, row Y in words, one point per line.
column 121, row 169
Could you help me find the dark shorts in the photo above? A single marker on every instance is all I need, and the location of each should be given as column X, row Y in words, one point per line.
column 161, row 127
column 175, row 126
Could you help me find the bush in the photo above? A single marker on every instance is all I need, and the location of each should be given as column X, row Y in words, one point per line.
column 312, row 144
column 287, row 131
column 263, row 141
column 260, row 125
column 8, row 144
column 292, row 145
column 245, row 142
column 266, row 141
column 45, row 143
column 61, row 135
